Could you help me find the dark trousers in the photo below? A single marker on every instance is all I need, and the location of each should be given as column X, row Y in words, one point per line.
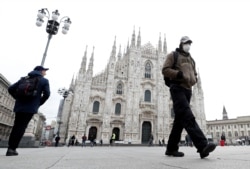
column 20, row 124
column 56, row 144
column 184, row 119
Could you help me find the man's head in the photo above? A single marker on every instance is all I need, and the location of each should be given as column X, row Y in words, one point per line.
column 185, row 43
column 41, row 69
column 186, row 39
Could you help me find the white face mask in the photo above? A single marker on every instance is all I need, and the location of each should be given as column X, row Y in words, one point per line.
column 186, row 47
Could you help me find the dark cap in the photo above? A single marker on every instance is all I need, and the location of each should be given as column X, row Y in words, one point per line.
column 40, row 68
column 186, row 39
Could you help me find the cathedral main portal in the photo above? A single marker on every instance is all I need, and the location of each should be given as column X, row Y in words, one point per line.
column 92, row 133
column 146, row 132
column 116, row 130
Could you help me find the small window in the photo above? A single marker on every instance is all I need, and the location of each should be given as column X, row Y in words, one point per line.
column 148, row 70
column 119, row 89
column 147, row 97
column 118, row 109
column 236, row 134
column 96, row 106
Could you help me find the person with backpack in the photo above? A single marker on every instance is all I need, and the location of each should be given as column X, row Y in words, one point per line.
column 179, row 69
column 26, row 104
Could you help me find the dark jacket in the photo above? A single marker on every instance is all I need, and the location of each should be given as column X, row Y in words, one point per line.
column 31, row 106
column 186, row 64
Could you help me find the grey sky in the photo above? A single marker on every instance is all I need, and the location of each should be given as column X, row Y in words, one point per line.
column 219, row 30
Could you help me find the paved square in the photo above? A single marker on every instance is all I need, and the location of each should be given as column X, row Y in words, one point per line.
column 124, row 157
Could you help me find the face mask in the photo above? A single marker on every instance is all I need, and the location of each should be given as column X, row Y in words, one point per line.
column 186, row 47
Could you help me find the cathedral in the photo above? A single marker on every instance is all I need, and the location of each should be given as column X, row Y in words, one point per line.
column 128, row 98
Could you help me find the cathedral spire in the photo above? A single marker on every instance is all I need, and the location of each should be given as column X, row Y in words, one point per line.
column 113, row 53
column 139, row 39
column 91, row 62
column 72, row 84
column 119, row 53
column 224, row 113
column 165, row 45
column 159, row 44
column 133, row 39
column 127, row 52
column 84, row 61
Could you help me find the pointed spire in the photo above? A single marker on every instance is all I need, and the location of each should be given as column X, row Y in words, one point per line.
column 119, row 53
column 159, row 44
column 165, row 45
column 127, row 52
column 113, row 53
column 133, row 39
column 224, row 113
column 139, row 39
column 72, row 84
column 84, row 61
column 91, row 62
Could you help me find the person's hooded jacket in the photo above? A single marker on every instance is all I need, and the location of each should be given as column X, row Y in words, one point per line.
column 31, row 106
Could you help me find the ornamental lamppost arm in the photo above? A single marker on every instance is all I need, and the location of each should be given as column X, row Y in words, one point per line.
column 52, row 25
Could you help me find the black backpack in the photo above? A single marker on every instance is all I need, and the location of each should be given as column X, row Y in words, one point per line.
column 167, row 80
column 27, row 87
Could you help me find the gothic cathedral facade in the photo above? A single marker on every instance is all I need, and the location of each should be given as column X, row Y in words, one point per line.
column 129, row 98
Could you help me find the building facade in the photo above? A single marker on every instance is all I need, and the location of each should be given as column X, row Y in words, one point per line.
column 233, row 129
column 6, row 109
column 129, row 98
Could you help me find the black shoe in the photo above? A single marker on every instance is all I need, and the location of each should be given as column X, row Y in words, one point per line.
column 11, row 152
column 208, row 149
column 174, row 153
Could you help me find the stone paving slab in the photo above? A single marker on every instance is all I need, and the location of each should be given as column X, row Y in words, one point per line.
column 233, row 157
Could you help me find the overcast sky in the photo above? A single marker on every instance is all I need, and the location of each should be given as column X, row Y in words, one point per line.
column 220, row 31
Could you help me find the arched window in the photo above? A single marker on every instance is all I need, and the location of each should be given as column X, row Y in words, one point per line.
column 147, row 97
column 148, row 70
column 118, row 109
column 119, row 89
column 96, row 106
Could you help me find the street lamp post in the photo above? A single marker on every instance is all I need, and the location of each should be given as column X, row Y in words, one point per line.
column 64, row 92
column 52, row 26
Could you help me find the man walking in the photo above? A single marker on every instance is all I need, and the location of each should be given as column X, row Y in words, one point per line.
column 25, row 108
column 57, row 139
column 84, row 138
column 183, row 74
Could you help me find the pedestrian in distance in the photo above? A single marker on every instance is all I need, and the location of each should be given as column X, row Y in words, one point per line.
column 179, row 66
column 92, row 140
column 163, row 142
column 159, row 142
column 84, row 138
column 223, row 139
column 57, row 139
column 188, row 141
column 72, row 140
column 113, row 139
column 151, row 139
column 25, row 108
column 101, row 142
